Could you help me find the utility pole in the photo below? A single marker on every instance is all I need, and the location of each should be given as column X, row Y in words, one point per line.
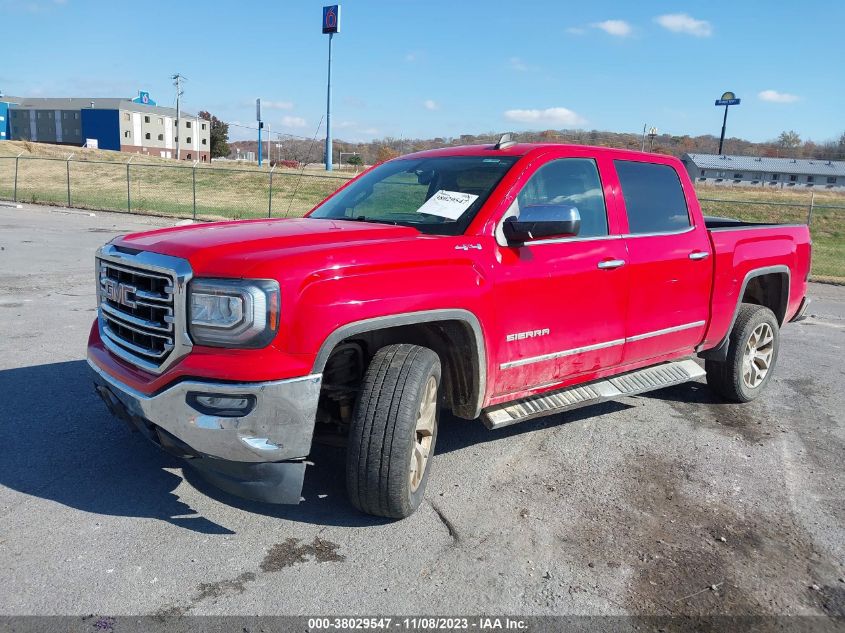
column 177, row 81
column 260, row 125
column 642, row 145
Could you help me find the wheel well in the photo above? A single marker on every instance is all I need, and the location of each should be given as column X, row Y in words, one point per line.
column 770, row 290
column 452, row 340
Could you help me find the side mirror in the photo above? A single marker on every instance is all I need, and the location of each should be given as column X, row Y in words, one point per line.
column 542, row 220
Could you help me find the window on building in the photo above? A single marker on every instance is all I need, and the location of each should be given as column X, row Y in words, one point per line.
column 175, row 139
column 189, row 157
column 738, row 176
column 160, row 121
column 187, row 124
column 146, row 119
column 703, row 173
column 831, row 180
column 126, row 134
column 654, row 198
column 15, row 129
column 38, row 115
column 203, row 126
column 204, row 142
column 147, row 136
column 76, row 115
column 793, row 178
column 811, row 178
column 161, row 137
column 188, row 139
column 76, row 132
column 127, row 116
column 775, row 176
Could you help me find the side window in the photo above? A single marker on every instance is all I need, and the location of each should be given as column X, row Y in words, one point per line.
column 570, row 181
column 653, row 197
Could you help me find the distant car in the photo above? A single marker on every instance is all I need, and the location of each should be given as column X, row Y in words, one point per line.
column 502, row 282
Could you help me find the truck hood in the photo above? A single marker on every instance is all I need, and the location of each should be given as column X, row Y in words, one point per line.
column 254, row 240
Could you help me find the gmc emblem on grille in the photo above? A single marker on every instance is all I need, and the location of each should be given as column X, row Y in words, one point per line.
column 119, row 293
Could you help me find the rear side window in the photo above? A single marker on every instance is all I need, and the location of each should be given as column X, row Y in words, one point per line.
column 653, row 196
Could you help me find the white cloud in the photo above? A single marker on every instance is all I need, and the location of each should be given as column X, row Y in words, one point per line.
column 431, row 104
column 293, row 121
column 774, row 96
column 575, row 30
column 619, row 28
column 551, row 116
column 516, row 63
column 683, row 23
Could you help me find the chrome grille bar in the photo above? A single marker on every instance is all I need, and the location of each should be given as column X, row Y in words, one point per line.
column 142, row 306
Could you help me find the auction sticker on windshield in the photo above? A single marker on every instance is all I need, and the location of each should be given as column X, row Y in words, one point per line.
column 448, row 204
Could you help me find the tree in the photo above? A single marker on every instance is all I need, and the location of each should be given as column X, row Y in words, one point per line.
column 355, row 160
column 386, row 153
column 219, row 135
column 789, row 140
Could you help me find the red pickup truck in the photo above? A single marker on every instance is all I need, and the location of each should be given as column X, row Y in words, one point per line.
column 502, row 282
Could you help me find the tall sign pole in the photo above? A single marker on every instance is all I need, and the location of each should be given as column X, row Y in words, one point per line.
column 331, row 25
column 260, row 125
column 728, row 99
column 177, row 81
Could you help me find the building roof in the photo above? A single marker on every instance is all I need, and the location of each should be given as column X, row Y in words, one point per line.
column 808, row 166
column 83, row 103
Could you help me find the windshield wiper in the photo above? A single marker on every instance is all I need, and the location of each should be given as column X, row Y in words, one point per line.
column 363, row 218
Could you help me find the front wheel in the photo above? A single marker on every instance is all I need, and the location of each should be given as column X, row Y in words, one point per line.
column 752, row 354
column 393, row 431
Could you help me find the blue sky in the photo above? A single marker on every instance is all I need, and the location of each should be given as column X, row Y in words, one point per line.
column 424, row 68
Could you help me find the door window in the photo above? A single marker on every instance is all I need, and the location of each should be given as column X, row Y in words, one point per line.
column 569, row 182
column 654, row 198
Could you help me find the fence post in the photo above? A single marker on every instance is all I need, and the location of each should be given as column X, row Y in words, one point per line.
column 67, row 163
column 128, row 191
column 194, row 178
column 270, row 202
column 812, row 204
column 17, row 158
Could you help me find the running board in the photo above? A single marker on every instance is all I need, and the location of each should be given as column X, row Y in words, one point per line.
column 632, row 383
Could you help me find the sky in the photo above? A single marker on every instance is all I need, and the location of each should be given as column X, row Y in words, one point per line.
column 441, row 68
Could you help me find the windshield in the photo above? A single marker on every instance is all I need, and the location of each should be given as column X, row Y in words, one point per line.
column 434, row 195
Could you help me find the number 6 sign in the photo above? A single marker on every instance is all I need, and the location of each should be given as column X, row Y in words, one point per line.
column 331, row 19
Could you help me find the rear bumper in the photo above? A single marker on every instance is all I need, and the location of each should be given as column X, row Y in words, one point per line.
column 259, row 455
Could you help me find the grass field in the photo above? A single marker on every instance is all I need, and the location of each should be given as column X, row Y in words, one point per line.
column 99, row 179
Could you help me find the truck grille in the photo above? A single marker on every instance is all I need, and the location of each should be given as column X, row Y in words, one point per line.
column 141, row 311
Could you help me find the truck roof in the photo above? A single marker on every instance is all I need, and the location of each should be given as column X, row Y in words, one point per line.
column 521, row 149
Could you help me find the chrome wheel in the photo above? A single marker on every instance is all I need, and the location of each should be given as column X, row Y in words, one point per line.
column 424, row 433
column 757, row 359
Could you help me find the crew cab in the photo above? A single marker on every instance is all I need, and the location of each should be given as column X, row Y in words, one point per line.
column 500, row 282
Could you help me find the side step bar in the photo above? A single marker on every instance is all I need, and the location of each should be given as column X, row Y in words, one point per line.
column 632, row 383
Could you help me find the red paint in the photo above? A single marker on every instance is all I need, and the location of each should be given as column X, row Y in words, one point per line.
column 335, row 272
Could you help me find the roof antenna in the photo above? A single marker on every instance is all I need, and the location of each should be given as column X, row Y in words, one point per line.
column 505, row 142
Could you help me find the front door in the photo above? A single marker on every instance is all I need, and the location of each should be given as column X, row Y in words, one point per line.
column 561, row 302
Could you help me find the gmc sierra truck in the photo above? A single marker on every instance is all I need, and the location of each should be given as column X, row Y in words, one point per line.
column 500, row 282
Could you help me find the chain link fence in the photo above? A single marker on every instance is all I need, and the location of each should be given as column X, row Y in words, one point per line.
column 209, row 192
column 193, row 191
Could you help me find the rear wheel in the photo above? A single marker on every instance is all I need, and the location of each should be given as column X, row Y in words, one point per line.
column 393, row 431
column 752, row 355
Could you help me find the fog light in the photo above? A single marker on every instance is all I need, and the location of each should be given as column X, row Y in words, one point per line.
column 221, row 405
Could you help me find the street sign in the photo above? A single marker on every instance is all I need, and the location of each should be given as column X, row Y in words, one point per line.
column 258, row 109
column 728, row 98
column 331, row 19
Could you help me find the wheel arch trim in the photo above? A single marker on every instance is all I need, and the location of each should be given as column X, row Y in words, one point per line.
column 412, row 318
column 720, row 351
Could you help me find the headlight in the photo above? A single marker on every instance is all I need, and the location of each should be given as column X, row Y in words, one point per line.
column 233, row 312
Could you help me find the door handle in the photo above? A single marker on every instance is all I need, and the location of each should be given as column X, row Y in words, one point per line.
column 609, row 264
column 696, row 255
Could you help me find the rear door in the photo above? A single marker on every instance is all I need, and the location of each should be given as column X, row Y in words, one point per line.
column 669, row 263
column 561, row 302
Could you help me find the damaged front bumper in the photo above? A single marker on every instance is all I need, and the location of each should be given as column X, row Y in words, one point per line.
column 249, row 439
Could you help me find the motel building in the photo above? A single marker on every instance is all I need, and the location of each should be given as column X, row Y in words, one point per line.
column 796, row 173
column 134, row 125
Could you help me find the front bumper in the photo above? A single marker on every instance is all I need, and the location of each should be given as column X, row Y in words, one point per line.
column 247, row 455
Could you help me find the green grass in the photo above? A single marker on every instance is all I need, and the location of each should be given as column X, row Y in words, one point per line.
column 165, row 187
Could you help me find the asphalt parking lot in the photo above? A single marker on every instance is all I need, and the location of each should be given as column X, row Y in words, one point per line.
column 667, row 503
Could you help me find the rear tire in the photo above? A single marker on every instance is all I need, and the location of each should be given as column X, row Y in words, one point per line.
column 752, row 354
column 393, row 431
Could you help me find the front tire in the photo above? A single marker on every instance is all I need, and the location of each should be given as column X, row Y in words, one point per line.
column 752, row 355
column 393, row 431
